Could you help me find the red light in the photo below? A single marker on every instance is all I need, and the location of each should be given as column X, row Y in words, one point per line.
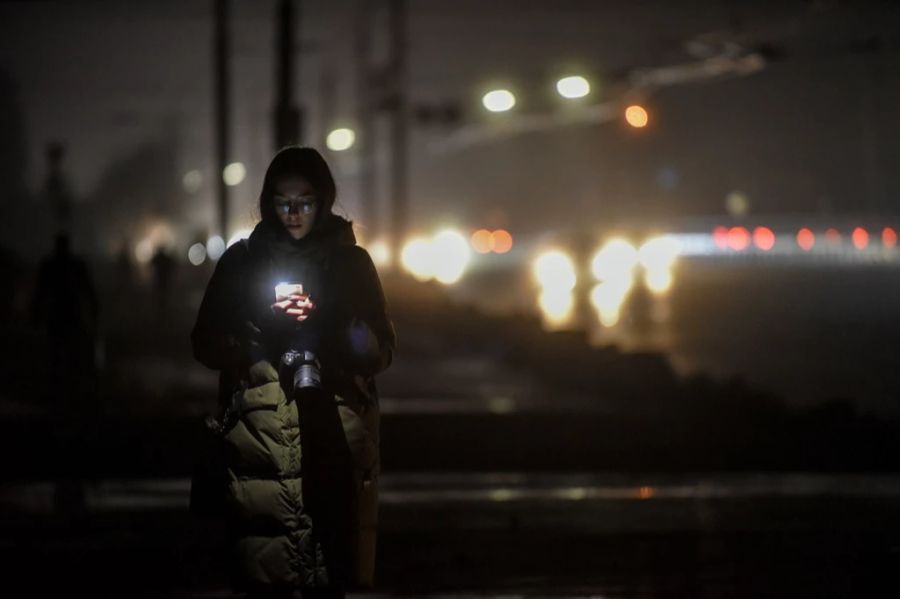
column 764, row 238
column 502, row 241
column 889, row 237
column 720, row 237
column 833, row 235
column 738, row 238
column 806, row 239
column 860, row 238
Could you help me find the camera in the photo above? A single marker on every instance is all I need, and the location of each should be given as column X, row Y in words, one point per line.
column 307, row 373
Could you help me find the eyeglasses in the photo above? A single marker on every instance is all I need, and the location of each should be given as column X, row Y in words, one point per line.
column 303, row 204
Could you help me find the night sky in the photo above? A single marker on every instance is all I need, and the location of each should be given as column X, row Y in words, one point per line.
column 128, row 89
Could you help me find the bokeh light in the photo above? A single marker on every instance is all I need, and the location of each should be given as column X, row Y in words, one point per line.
column 340, row 139
column 482, row 241
column 889, row 237
column 215, row 247
column 860, row 238
column 617, row 258
column 806, row 239
column 503, row 241
column 738, row 238
column 234, row 174
column 554, row 270
column 573, row 87
column 764, row 238
column 499, row 100
column 416, row 258
column 192, row 181
column 449, row 255
column 637, row 116
column 197, row 254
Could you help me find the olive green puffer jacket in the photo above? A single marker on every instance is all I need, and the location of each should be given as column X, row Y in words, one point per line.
column 301, row 469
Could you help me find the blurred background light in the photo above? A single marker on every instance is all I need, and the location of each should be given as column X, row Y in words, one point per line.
column 806, row 239
column 340, row 139
column 555, row 271
column 556, row 304
column 197, row 254
column 380, row 252
column 764, row 238
column 637, row 116
column 449, row 255
column 503, row 241
column 738, row 238
column 192, row 181
column 234, row 174
column 215, row 247
column 416, row 258
column 860, row 238
column 614, row 260
column 573, row 87
column 482, row 241
column 499, row 100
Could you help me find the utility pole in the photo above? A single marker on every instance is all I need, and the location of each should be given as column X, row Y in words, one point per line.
column 288, row 121
column 365, row 143
column 221, row 93
column 399, row 124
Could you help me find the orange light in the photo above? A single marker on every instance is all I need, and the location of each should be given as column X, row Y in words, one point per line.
column 720, row 237
column 833, row 235
column 860, row 238
column 502, row 241
column 637, row 116
column 482, row 241
column 889, row 237
column 645, row 492
column 806, row 239
column 738, row 238
column 764, row 238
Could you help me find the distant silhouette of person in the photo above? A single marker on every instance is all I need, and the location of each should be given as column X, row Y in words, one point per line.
column 56, row 189
column 65, row 304
column 163, row 266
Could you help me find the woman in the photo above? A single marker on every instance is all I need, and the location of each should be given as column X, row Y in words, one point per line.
column 299, row 453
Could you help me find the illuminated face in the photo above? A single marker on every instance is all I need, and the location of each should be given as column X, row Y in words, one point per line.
column 296, row 205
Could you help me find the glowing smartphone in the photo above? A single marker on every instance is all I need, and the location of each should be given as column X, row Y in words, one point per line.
column 283, row 290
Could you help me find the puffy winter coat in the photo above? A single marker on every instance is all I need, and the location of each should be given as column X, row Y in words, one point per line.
column 301, row 469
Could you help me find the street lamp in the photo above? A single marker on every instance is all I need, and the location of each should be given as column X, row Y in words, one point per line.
column 573, row 87
column 340, row 139
column 499, row 100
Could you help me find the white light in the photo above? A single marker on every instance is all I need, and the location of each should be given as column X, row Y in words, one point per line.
column 449, row 256
column 573, row 87
column 615, row 260
column 658, row 280
column 499, row 100
column 215, row 247
column 416, row 258
column 555, row 271
column 197, row 254
column 143, row 251
column 340, row 139
column 234, row 173
column 556, row 304
column 238, row 235
column 608, row 297
column 192, row 181
column 659, row 253
column 380, row 252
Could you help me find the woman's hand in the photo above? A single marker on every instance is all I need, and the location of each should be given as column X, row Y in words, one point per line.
column 296, row 306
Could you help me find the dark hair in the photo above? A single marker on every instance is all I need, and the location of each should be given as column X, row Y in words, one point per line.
column 307, row 163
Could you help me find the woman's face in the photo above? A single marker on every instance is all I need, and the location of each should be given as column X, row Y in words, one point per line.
column 296, row 205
